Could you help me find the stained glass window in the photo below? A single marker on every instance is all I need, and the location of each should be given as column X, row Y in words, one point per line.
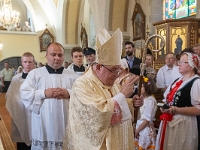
column 175, row 9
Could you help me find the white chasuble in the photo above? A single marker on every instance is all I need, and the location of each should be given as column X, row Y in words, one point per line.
column 90, row 111
column 49, row 115
column 21, row 117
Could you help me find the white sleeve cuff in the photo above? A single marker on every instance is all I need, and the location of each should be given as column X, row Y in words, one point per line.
column 39, row 94
column 121, row 100
column 42, row 94
column 69, row 91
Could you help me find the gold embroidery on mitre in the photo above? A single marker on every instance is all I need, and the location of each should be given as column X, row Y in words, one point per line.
column 109, row 48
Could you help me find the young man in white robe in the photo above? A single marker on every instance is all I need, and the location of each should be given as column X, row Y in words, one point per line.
column 21, row 117
column 99, row 113
column 77, row 66
column 46, row 93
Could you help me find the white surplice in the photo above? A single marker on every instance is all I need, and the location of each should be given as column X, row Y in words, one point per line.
column 77, row 73
column 21, row 117
column 49, row 115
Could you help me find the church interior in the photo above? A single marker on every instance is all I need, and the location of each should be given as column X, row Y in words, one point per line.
column 76, row 22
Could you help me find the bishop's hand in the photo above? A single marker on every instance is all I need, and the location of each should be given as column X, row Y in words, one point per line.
column 138, row 100
column 128, row 87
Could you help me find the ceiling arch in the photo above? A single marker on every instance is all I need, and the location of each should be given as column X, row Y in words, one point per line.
column 64, row 17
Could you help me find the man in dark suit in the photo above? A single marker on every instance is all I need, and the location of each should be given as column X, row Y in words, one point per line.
column 130, row 52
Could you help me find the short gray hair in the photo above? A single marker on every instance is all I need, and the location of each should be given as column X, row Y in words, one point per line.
column 171, row 53
column 196, row 45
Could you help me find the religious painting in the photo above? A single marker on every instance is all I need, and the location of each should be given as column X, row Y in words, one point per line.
column 178, row 38
column 84, row 37
column 138, row 22
column 179, row 43
column 45, row 39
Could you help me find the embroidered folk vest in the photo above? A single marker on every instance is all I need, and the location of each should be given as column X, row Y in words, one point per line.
column 182, row 97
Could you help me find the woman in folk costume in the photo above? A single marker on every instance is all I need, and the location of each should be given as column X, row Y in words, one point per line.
column 145, row 132
column 98, row 108
column 179, row 127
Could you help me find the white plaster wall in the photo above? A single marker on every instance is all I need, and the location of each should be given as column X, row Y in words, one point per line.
column 16, row 43
column 100, row 13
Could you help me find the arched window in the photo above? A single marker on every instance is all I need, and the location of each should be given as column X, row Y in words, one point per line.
column 12, row 61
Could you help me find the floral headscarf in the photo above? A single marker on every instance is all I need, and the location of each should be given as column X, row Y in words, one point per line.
column 193, row 59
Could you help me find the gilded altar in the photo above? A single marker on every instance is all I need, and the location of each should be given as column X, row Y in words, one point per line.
column 178, row 34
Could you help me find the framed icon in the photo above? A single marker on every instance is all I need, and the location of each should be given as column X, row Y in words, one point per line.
column 84, row 37
column 45, row 39
column 138, row 22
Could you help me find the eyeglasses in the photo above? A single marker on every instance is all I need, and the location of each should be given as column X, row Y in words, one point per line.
column 112, row 71
column 182, row 62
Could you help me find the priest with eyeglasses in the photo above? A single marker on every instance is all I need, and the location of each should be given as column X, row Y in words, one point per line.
column 99, row 110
